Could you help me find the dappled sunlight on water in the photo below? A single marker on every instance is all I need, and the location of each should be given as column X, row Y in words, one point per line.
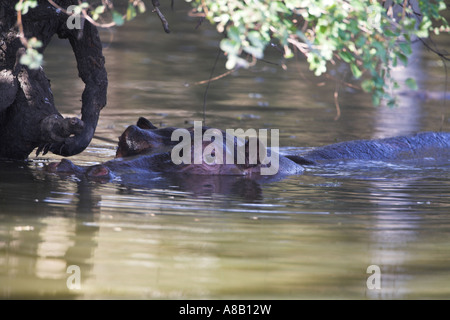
column 308, row 236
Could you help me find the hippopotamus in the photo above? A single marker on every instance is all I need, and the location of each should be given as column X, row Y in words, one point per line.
column 145, row 148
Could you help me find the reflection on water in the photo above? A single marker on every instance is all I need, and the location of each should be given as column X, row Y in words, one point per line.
column 307, row 236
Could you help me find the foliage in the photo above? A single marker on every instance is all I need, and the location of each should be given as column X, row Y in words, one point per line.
column 367, row 36
column 370, row 36
column 23, row 6
column 32, row 58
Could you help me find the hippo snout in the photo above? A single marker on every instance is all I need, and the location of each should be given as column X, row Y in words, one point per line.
column 99, row 171
column 64, row 166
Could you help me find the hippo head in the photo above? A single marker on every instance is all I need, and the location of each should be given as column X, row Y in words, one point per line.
column 156, row 144
column 67, row 167
column 64, row 166
column 143, row 138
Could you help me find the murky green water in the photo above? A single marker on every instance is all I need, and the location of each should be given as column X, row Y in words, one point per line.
column 307, row 236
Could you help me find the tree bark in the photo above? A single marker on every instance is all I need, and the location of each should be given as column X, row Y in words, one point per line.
column 28, row 116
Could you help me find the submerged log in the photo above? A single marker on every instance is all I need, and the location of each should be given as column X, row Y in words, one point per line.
column 29, row 118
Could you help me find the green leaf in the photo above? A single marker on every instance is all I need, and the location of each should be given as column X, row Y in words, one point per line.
column 141, row 7
column 391, row 103
column 288, row 53
column 229, row 46
column 411, row 83
column 34, row 43
column 256, row 52
column 99, row 9
column 396, row 85
column 390, row 33
column 376, row 100
column 256, row 39
column 234, row 34
column 25, row 59
column 131, row 12
column 32, row 58
column 361, row 41
column 25, row 5
column 346, row 56
column 405, row 47
column 117, row 18
column 279, row 6
column 355, row 70
column 368, row 85
column 402, row 58
column 97, row 12
column 231, row 62
column 19, row 6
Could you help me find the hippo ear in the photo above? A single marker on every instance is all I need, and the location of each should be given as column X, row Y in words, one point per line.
column 144, row 123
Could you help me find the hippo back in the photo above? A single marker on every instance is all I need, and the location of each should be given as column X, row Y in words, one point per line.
column 417, row 146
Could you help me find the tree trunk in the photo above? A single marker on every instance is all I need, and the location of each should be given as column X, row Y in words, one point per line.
column 28, row 116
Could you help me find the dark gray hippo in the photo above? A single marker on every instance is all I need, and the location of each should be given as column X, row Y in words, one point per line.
column 147, row 149
column 144, row 148
column 422, row 145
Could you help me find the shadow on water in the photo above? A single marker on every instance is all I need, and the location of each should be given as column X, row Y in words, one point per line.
column 308, row 236
column 39, row 240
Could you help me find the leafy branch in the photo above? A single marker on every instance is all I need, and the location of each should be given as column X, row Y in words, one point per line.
column 31, row 57
column 370, row 36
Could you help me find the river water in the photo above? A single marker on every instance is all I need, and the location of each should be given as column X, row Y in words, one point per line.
column 317, row 235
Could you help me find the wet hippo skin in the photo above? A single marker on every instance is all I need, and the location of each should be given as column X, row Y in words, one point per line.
column 411, row 147
column 145, row 148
